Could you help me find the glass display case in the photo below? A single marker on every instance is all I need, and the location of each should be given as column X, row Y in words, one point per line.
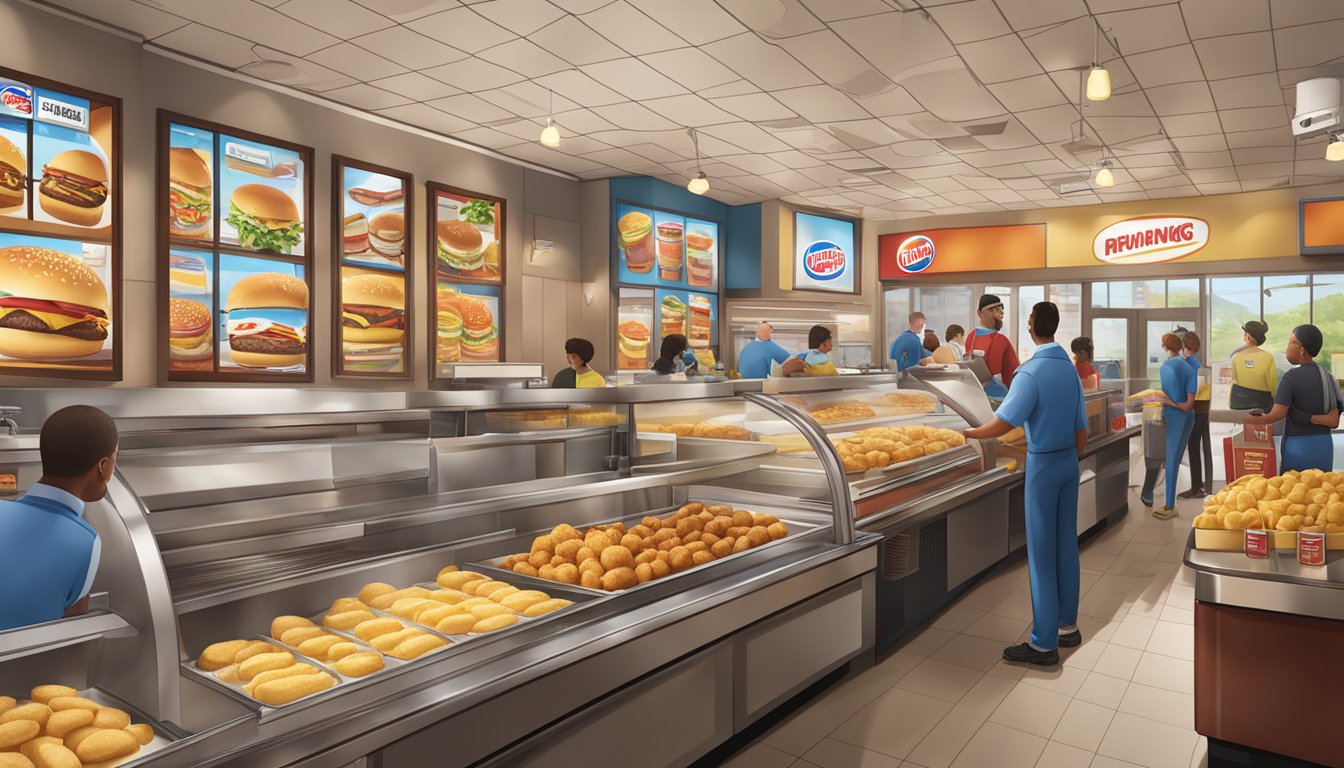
column 850, row 322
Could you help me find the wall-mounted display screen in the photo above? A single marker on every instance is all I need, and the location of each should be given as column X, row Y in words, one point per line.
column 666, row 250
column 1321, row 227
column 235, row 254
column 372, row 223
column 824, row 257
column 60, row 230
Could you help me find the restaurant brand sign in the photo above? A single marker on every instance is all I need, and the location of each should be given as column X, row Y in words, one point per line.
column 1150, row 239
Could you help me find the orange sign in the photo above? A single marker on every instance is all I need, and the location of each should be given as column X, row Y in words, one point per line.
column 1321, row 227
column 961, row 249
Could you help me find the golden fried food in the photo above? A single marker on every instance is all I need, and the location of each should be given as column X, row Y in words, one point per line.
column 459, row 624
column 220, row 655
column 375, row 590
column 494, row 623
column 57, row 756
column 359, row 664
column 285, row 690
column 842, row 412
column 416, row 646
column 15, row 732
column 282, row 624
column 62, row 703
column 263, row 663
column 34, row 712
column 292, row 670
column 909, row 402
column 299, row 635
column 347, row 620
column 45, row 693
column 29, row 748
column 374, row 627
column 142, row 732
column 61, row 723
column 720, row 431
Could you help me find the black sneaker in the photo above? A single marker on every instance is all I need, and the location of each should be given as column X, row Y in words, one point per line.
column 1071, row 640
column 1023, row 653
column 1193, row 493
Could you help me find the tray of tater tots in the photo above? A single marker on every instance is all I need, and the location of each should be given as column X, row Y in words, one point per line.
column 263, row 671
column 60, row 726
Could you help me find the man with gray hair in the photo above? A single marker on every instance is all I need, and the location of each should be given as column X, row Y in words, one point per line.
column 908, row 348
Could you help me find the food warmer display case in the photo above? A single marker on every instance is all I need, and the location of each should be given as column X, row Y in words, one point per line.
column 452, row 578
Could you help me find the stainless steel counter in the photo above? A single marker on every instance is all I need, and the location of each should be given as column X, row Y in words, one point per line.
column 1278, row 583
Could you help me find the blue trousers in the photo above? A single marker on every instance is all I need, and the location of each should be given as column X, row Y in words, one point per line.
column 1052, row 544
column 1307, row 452
column 1179, row 426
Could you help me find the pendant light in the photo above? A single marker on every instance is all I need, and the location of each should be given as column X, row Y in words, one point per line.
column 698, row 185
column 1334, row 151
column 1104, row 176
column 550, row 135
column 1098, row 78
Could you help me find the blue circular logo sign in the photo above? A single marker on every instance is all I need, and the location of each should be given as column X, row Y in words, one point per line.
column 824, row 260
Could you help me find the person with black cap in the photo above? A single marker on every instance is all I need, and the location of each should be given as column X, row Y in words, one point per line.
column 1254, row 374
column 1309, row 398
column 988, row 342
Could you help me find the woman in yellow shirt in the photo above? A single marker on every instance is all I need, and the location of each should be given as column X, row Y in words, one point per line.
column 1254, row 374
column 578, row 353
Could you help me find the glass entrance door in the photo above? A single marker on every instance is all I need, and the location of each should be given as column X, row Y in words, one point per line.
column 1132, row 338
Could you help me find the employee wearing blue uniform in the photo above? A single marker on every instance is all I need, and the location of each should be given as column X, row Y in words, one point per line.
column 908, row 348
column 753, row 362
column 1179, row 384
column 1047, row 399
column 48, row 553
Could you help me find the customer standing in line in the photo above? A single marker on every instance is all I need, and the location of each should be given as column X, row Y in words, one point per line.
column 1083, row 354
column 1309, row 397
column 753, row 362
column 1177, row 396
column 1201, row 461
column 1254, row 374
column 955, row 337
column 989, row 342
column 908, row 349
column 1047, row 397
column 942, row 353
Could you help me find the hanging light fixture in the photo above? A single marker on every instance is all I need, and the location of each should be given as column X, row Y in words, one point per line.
column 550, row 135
column 698, row 185
column 1098, row 78
column 1334, row 151
column 1104, row 176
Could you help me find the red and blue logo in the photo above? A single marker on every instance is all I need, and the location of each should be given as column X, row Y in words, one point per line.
column 16, row 99
column 915, row 254
column 824, row 260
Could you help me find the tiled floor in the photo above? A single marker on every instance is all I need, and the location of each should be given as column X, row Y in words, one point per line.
column 945, row 699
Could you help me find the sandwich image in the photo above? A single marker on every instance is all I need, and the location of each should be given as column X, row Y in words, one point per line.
column 186, row 274
column 701, row 326
column 387, row 235
column 53, row 306
column 632, row 345
column 265, row 218
column 636, row 229
column 378, row 190
column 257, row 342
column 699, row 258
column 673, row 318
column 190, row 191
column 190, row 336
column 13, row 176
column 670, row 251
column 74, row 187
column 448, row 339
column 461, row 246
column 372, row 358
column 373, row 309
column 480, row 341
column 355, row 234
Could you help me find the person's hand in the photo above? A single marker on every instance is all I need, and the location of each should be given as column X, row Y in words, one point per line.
column 1257, row 413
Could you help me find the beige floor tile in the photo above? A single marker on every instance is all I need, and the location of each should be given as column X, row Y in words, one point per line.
column 1031, row 709
column 1102, row 761
column 894, row 723
column 1095, row 563
column 1142, row 551
column 1115, row 583
column 1134, row 632
column 1200, row 759
column 958, row 616
column 974, row 652
column 1085, row 582
column 1112, row 548
column 1145, row 609
column 1064, row 680
column 1177, row 615
column 1102, row 690
column 1172, row 639
column 1008, row 671
column 1000, row 747
column 1014, row 607
column 1117, row 661
column 1152, row 534
column 941, row 679
column 1133, row 566
column 800, row 731
column 804, row 764
column 896, row 664
column 1166, row 672
column 947, row 739
column 1104, row 605
column 1147, row 742
column 1083, row 725
column 1161, row 705
column 1096, row 629
column 1083, row 657
column 1172, row 553
column 758, row 755
column 1182, row 596
column 1058, row 755
column 994, row 627
column 985, row 596
column 837, row 754
column 925, row 641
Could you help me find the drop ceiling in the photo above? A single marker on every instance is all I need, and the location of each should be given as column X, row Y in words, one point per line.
column 887, row 109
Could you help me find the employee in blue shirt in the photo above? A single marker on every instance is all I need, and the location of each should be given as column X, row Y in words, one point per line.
column 1047, row 397
column 908, row 348
column 753, row 362
column 48, row 553
column 1179, row 386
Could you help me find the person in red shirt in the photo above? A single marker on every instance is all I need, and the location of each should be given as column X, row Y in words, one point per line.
column 1083, row 352
column 988, row 341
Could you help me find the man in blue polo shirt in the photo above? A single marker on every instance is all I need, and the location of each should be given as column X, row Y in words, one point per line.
column 908, row 348
column 753, row 362
column 1047, row 397
column 48, row 554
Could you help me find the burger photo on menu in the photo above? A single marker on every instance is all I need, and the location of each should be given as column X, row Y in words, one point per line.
column 355, row 235
column 52, row 305
column 387, row 236
column 258, row 306
column 190, row 193
column 448, row 338
column 632, row 344
column 13, row 177
column 702, row 323
column 265, row 218
column 373, row 321
column 699, row 256
column 460, row 247
column 74, row 187
column 374, row 221
column 187, row 273
column 672, row 315
column 480, row 334
column 636, row 230
column 190, row 336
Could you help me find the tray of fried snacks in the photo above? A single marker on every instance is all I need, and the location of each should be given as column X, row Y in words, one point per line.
column 888, row 448
column 262, row 671
column 709, row 430
column 1310, row 500
column 614, row 557
column 386, row 633
column 593, row 417
column 909, row 403
column 58, row 725
column 480, row 594
column 348, row 656
column 841, row 412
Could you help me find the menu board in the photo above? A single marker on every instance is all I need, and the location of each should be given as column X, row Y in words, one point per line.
column 666, row 250
column 372, row 224
column 824, row 258
column 467, row 233
column 468, row 323
column 635, row 345
column 691, row 314
column 235, row 254
column 60, row 271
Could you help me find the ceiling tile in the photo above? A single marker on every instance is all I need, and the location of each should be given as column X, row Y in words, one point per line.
column 748, row 136
column 835, row 10
column 943, row 185
column 1181, row 98
column 1028, row 93
column 471, row 107
column 474, row 74
column 692, row 68
column 582, row 121
column 147, row 22
column 580, row 88
column 630, row 29
column 1029, row 14
column 863, row 134
column 1249, row 91
column 525, row 57
column 970, row 21
column 1066, row 46
column 1268, row 137
column 257, row 23
column 1264, row 170
column 832, row 60
column 954, row 96
column 1211, row 175
column 1169, row 65
column 696, row 21
column 1197, row 160
column 1146, row 29
column 573, row 41
column 896, row 101
column 408, row 48
column 462, row 28
column 551, row 158
column 1308, row 46
column 1051, row 124
column 756, row 164
column 633, row 78
column 579, row 6
column 999, row 59
column 522, row 17
column 527, row 99
column 489, row 138
column 1252, row 155
column 427, row 117
column 402, row 11
column 527, row 130
column 755, row 107
column 350, row 59
column 343, row 18
column 1197, row 124
column 1287, row 13
column 899, row 45
column 1236, row 55
column 1220, row 188
column 1208, row 18
column 689, row 109
column 415, row 86
column 738, row 87
column 1213, row 142
column 769, row 67
column 660, row 154
column 792, row 158
column 1254, row 118
column 821, row 103
column 366, row 96
column 634, row 117
column 613, row 156
column 209, row 44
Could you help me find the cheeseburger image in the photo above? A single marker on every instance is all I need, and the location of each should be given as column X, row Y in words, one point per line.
column 632, row 344
column 460, row 245
column 74, row 187
column 373, row 309
column 673, row 315
column 636, row 229
column 257, row 342
column 387, row 235
column 190, row 337
column 448, row 341
column 480, row 342
column 13, row 176
column 190, row 191
column 53, row 305
column 265, row 218
column 670, row 251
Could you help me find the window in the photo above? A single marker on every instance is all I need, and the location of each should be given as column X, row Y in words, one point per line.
column 1287, row 304
column 1327, row 313
column 897, row 305
column 1027, row 297
column 1069, row 298
column 1232, row 301
column 1182, row 294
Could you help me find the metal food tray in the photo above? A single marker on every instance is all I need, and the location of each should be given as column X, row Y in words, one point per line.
column 796, row 527
column 236, row 689
column 390, row 661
